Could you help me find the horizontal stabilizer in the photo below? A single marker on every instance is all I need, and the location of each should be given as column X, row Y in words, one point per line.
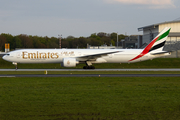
column 161, row 52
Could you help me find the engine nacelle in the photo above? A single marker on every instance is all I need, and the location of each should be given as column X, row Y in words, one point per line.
column 69, row 62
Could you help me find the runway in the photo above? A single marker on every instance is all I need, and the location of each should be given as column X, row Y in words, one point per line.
column 166, row 69
column 95, row 75
column 91, row 75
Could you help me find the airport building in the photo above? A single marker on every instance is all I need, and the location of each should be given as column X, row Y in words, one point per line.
column 173, row 41
column 101, row 47
column 131, row 42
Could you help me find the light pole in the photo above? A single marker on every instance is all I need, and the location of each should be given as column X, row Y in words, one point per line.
column 117, row 39
column 60, row 41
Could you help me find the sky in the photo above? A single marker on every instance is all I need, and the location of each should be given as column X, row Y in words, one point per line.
column 81, row 18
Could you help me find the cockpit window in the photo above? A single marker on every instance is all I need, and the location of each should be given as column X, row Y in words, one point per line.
column 7, row 54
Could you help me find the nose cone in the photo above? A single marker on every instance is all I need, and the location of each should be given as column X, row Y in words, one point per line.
column 5, row 57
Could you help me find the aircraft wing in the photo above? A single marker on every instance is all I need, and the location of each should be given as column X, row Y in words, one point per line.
column 94, row 56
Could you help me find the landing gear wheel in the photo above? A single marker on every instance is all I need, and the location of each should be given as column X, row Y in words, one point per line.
column 85, row 67
column 91, row 67
column 88, row 67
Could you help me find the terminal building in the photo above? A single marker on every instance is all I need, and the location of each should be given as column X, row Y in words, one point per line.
column 131, row 42
column 101, row 47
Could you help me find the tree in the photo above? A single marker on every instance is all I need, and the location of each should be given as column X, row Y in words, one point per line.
column 2, row 42
column 82, row 42
column 18, row 42
column 106, row 40
column 9, row 39
column 74, row 43
column 114, row 36
column 53, row 42
column 26, row 41
column 95, row 36
column 65, row 43
column 121, row 36
column 102, row 34
column 95, row 42
column 112, row 42
column 70, row 37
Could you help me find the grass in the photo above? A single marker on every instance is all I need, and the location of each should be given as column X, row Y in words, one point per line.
column 90, row 98
column 156, row 63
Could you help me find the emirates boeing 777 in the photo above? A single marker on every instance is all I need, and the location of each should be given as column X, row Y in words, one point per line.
column 72, row 57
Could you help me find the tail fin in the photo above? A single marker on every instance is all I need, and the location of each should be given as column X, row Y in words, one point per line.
column 156, row 44
column 159, row 41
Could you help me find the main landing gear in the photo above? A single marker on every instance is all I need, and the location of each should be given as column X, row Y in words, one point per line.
column 88, row 65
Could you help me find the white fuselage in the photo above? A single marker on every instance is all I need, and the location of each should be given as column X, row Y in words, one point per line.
column 57, row 55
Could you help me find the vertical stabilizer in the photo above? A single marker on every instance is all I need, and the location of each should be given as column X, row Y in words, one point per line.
column 156, row 44
column 160, row 40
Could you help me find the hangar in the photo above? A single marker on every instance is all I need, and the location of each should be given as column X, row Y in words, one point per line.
column 173, row 41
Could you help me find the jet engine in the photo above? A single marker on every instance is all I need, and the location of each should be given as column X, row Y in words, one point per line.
column 69, row 62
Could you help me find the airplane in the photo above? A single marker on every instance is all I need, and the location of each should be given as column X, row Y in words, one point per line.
column 72, row 57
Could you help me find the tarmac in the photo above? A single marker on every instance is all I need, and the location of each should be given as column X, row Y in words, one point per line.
column 92, row 75
column 166, row 69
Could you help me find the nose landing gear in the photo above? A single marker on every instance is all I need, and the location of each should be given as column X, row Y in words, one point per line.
column 15, row 65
